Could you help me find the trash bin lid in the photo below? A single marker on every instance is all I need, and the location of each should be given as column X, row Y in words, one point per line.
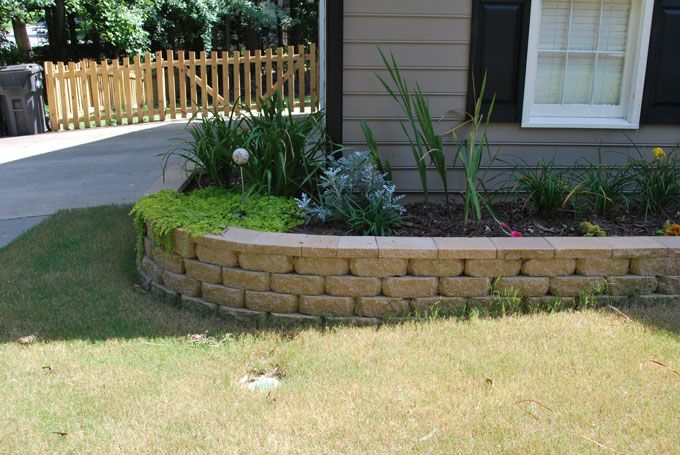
column 17, row 75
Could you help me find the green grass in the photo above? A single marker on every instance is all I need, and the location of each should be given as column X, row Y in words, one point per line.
column 114, row 370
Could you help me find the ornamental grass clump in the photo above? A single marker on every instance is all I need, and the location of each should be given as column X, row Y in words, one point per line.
column 287, row 152
column 353, row 192
column 600, row 187
column 544, row 187
column 208, row 154
column 657, row 180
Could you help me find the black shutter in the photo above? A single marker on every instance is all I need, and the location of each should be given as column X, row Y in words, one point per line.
column 500, row 31
column 661, row 101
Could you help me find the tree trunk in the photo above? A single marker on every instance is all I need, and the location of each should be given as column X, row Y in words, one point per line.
column 227, row 33
column 21, row 35
column 251, row 39
column 56, row 31
column 72, row 30
column 295, row 31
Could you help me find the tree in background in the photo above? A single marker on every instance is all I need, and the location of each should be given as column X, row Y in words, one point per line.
column 112, row 28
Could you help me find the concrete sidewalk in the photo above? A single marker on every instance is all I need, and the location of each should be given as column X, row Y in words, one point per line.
column 42, row 174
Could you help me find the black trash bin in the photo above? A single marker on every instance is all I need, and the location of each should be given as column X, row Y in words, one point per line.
column 21, row 100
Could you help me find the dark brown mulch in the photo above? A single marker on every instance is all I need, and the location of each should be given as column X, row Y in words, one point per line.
column 434, row 221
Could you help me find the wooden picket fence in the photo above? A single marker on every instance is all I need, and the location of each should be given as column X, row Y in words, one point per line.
column 153, row 88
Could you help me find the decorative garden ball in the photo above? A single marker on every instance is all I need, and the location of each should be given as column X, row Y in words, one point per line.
column 241, row 156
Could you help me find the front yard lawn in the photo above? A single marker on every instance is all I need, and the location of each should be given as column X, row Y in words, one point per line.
column 112, row 371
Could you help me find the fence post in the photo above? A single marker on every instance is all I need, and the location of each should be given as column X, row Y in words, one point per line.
column 160, row 84
column 172, row 95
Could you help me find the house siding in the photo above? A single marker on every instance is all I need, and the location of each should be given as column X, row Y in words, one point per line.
column 431, row 40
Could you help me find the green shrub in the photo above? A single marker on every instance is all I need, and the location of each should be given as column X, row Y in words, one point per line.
column 544, row 187
column 657, row 181
column 287, row 152
column 209, row 152
column 357, row 195
column 211, row 211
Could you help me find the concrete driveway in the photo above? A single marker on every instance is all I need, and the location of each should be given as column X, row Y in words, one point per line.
column 42, row 174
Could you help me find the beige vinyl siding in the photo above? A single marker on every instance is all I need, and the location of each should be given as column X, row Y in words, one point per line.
column 430, row 39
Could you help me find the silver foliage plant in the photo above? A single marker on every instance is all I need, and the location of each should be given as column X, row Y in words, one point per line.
column 354, row 192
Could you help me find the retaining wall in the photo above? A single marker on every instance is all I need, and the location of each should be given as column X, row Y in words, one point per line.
column 309, row 278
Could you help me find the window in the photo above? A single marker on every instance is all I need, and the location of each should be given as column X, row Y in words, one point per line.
column 586, row 63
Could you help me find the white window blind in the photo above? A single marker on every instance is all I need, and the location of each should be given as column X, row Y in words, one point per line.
column 582, row 48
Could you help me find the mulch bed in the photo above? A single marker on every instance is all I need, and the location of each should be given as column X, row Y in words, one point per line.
column 434, row 220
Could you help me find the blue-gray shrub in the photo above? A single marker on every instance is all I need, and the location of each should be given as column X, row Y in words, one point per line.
column 353, row 192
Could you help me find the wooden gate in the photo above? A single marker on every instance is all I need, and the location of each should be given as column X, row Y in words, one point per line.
column 172, row 85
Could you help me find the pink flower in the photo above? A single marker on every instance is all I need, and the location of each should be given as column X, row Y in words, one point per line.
column 505, row 226
column 516, row 234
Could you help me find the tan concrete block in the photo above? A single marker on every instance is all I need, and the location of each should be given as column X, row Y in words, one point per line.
column 436, row 267
column 223, row 296
column 326, row 305
column 203, row 272
column 669, row 285
column 571, row 286
column 182, row 284
column 152, row 270
column 672, row 243
column 527, row 286
column 382, row 307
column 580, row 247
column 494, row 306
column 197, row 305
column 464, row 286
column 549, row 304
column 357, row 247
column 447, row 306
column 271, row 302
column 523, row 248
column 353, row 286
column 667, row 266
column 274, row 263
column 465, row 248
column 602, row 266
column 635, row 247
column 321, row 266
column 233, row 239
column 378, row 267
column 406, row 247
column 217, row 256
column 171, row 262
column 295, row 320
column 244, row 279
column 149, row 245
column 548, row 267
column 182, row 245
column 632, row 285
column 292, row 283
column 276, row 243
column 655, row 299
column 407, row 287
column 320, row 246
column 492, row 267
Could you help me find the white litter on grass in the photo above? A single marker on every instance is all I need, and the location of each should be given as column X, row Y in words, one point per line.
column 263, row 383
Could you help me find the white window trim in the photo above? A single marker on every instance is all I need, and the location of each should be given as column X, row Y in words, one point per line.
column 572, row 116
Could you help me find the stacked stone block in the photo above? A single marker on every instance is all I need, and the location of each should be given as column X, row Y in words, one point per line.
column 248, row 274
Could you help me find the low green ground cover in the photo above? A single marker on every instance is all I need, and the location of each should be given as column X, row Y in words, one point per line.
column 211, row 211
column 113, row 371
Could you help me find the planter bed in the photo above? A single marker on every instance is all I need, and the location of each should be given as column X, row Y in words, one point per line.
column 325, row 279
column 434, row 220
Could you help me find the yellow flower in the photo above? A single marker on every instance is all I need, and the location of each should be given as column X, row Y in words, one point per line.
column 659, row 153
